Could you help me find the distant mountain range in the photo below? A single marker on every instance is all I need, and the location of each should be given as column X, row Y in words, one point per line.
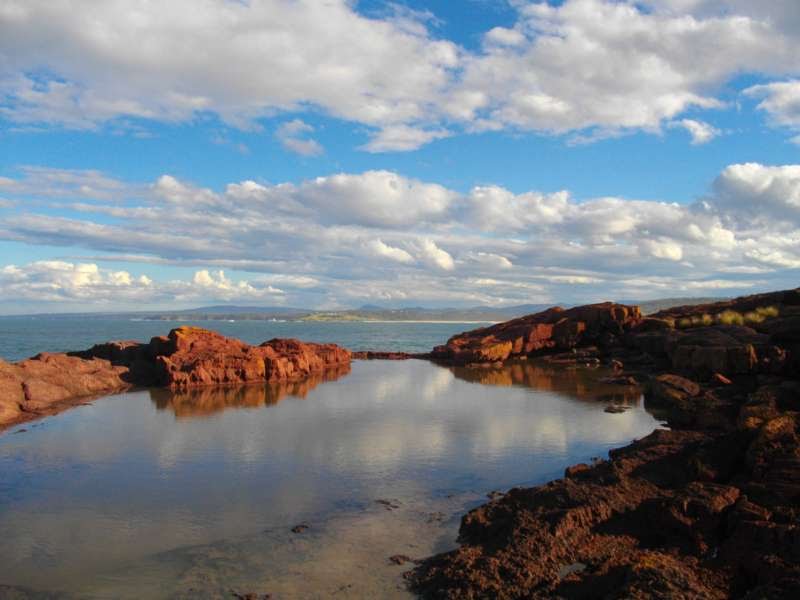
column 370, row 312
column 364, row 313
column 367, row 312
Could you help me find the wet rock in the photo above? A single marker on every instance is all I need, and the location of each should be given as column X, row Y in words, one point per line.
column 388, row 504
column 619, row 380
column 615, row 409
column 250, row 596
column 707, row 509
column 300, row 528
column 720, row 379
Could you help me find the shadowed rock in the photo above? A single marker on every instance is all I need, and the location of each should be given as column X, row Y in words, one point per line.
column 709, row 509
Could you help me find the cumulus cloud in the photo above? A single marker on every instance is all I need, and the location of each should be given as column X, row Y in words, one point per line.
column 781, row 102
column 377, row 198
column 352, row 237
column 378, row 248
column 293, row 135
column 700, row 131
column 403, row 138
column 65, row 282
column 256, row 57
column 434, row 256
column 753, row 193
column 630, row 66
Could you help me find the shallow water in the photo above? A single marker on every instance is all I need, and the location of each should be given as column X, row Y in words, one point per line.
column 160, row 495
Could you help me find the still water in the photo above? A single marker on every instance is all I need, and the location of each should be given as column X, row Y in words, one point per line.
column 152, row 494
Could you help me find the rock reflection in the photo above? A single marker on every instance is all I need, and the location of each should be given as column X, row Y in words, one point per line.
column 581, row 383
column 206, row 401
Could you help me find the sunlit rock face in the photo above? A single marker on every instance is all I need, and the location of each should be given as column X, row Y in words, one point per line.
column 188, row 357
column 707, row 509
column 551, row 330
column 191, row 357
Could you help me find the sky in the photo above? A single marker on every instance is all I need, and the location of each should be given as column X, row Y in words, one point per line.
column 334, row 153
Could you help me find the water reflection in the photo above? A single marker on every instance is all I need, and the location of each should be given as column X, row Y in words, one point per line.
column 582, row 383
column 209, row 400
column 121, row 496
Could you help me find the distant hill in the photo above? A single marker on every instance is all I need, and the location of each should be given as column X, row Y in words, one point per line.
column 232, row 310
column 365, row 313
column 370, row 312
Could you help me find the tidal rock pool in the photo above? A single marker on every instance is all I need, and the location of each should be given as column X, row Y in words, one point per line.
column 313, row 489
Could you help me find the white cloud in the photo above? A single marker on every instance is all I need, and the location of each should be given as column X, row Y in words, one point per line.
column 64, row 282
column 293, row 135
column 503, row 36
column 490, row 261
column 378, row 248
column 666, row 249
column 700, row 131
column 240, row 60
column 402, row 138
column 588, row 68
column 348, row 237
column 753, row 193
column 434, row 256
column 781, row 101
column 376, row 198
column 611, row 66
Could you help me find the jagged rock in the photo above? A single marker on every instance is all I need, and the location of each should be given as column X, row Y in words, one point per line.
column 552, row 329
column 188, row 357
column 708, row 509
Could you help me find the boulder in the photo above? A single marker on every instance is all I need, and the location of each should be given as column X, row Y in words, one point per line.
column 554, row 329
column 188, row 357
column 192, row 357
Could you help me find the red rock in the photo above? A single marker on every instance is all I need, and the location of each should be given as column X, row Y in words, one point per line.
column 189, row 357
column 552, row 329
column 720, row 379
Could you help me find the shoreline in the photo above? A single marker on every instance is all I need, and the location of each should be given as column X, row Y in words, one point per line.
column 709, row 508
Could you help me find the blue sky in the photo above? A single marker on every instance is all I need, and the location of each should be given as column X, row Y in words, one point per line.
column 439, row 153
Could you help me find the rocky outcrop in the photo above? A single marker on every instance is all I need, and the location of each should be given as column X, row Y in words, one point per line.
column 552, row 330
column 188, row 357
column 192, row 357
column 34, row 387
column 708, row 509
column 702, row 511
column 746, row 336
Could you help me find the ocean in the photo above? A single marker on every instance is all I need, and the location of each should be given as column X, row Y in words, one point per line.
column 21, row 337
